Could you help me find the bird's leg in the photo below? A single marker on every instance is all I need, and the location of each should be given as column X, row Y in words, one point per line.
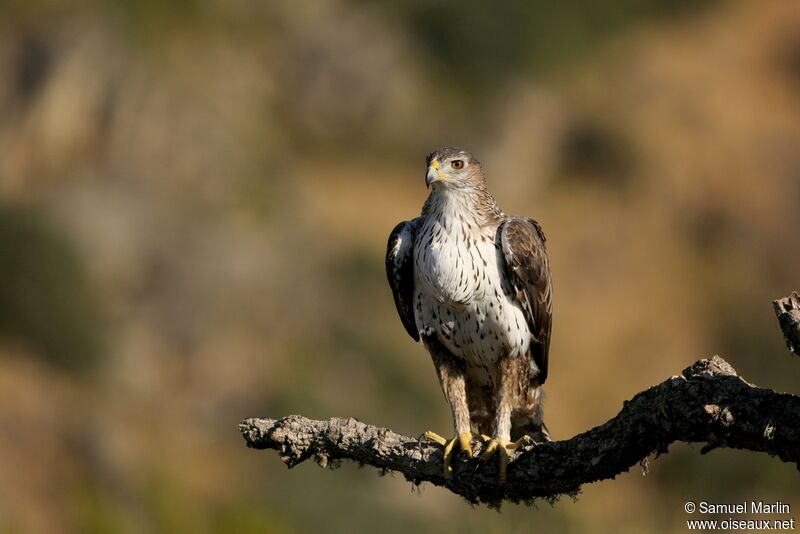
column 451, row 377
column 501, row 428
column 500, row 444
column 456, row 394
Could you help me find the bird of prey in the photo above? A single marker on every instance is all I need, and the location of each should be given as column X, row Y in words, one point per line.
column 474, row 285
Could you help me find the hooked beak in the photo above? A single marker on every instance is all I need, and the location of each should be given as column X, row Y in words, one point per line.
column 433, row 173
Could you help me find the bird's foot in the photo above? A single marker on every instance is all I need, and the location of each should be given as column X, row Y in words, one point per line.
column 498, row 445
column 463, row 441
column 502, row 446
column 524, row 441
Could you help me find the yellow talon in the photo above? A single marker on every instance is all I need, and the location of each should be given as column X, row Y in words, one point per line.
column 524, row 441
column 495, row 445
column 464, row 441
column 433, row 436
column 502, row 447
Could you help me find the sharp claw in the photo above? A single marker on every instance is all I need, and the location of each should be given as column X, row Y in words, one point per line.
column 465, row 442
column 524, row 441
column 448, row 456
column 501, row 477
column 433, row 436
column 490, row 450
column 501, row 447
column 462, row 441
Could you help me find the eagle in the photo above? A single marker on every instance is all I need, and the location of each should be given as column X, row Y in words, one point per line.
column 473, row 284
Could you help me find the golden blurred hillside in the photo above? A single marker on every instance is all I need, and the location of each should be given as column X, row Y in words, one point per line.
column 194, row 203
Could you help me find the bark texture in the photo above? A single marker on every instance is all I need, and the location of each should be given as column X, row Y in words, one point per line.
column 707, row 403
column 788, row 311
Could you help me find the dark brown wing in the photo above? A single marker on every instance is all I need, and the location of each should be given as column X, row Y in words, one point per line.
column 528, row 271
column 400, row 272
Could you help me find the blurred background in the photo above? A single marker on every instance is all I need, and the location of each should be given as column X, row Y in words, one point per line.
column 195, row 198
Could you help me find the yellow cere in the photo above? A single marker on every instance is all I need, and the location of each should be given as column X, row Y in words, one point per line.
column 435, row 164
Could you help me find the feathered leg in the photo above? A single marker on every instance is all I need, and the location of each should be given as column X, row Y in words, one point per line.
column 509, row 390
column 451, row 373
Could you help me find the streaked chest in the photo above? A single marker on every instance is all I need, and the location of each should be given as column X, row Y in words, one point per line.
column 456, row 261
column 461, row 295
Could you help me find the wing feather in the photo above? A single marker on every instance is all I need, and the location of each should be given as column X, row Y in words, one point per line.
column 400, row 272
column 528, row 271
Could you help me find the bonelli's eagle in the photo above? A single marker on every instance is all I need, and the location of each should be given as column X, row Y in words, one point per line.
column 474, row 285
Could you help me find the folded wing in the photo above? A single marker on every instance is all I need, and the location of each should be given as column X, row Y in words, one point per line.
column 527, row 268
column 400, row 272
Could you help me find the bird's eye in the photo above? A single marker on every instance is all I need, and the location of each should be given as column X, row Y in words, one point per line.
column 457, row 164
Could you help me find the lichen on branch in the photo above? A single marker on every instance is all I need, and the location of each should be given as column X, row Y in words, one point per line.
column 707, row 403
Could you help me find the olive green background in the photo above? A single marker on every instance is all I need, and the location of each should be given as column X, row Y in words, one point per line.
column 194, row 203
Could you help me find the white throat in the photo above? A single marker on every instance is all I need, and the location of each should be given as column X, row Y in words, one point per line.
column 454, row 206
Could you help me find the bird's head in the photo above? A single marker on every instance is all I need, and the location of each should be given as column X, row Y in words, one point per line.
column 453, row 168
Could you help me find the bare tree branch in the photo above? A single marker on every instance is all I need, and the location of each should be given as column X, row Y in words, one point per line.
column 788, row 311
column 707, row 403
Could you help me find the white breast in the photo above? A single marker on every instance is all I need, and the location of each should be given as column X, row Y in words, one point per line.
column 460, row 295
column 454, row 264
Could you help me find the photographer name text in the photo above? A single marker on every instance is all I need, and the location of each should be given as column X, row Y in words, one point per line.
column 744, row 507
